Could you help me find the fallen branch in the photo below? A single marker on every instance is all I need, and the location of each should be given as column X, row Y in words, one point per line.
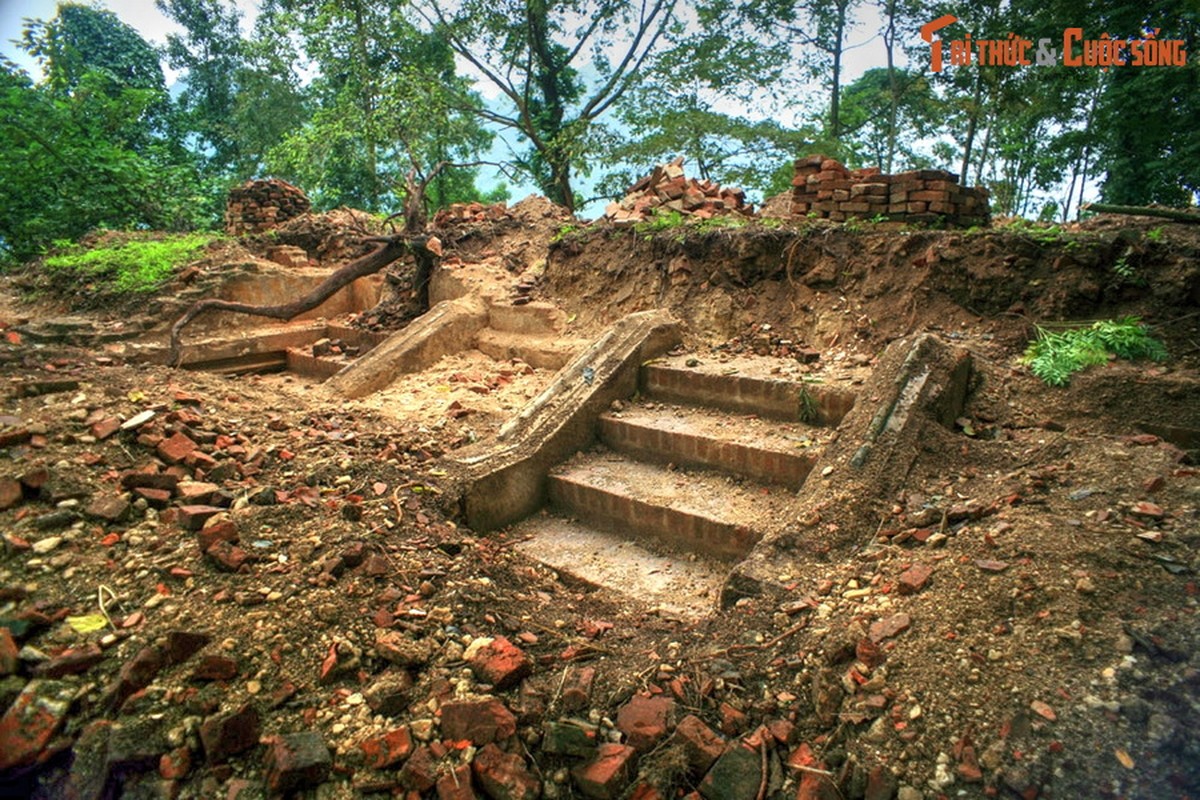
column 1172, row 214
column 388, row 250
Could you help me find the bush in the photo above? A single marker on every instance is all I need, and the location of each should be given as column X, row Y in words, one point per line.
column 1057, row 355
column 130, row 266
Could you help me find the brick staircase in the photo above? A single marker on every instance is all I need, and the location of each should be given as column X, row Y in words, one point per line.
column 684, row 481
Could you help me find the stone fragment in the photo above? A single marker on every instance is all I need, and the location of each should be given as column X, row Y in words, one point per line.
column 70, row 662
column 182, row 645
column 297, row 761
column 388, row 694
column 402, row 650
column 569, row 738
column 504, row 776
column 577, row 689
column 736, row 775
column 227, row 556
column 645, row 721
column 480, row 721
column 8, row 653
column 135, row 675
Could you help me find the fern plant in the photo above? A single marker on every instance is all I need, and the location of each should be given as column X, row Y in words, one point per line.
column 1057, row 355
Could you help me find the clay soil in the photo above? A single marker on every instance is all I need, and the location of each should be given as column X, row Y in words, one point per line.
column 1051, row 650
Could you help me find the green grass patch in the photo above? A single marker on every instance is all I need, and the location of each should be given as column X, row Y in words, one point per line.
column 130, row 265
column 1057, row 355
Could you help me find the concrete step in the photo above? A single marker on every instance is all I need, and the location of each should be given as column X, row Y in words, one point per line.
column 748, row 387
column 684, row 586
column 535, row 318
column 698, row 512
column 766, row 450
column 543, row 352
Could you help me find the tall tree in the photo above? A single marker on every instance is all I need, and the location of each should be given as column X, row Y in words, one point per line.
column 558, row 66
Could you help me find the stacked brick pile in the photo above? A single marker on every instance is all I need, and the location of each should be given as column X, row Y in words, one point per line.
column 666, row 188
column 465, row 213
column 824, row 188
column 258, row 206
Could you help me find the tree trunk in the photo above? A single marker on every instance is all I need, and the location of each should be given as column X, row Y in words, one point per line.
column 889, row 41
column 835, row 127
column 390, row 248
column 972, row 122
column 1173, row 214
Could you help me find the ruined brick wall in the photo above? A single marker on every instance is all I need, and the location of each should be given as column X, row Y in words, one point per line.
column 258, row 206
column 824, row 188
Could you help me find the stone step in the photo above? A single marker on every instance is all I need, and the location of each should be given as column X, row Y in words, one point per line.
column 534, row 318
column 699, row 512
column 747, row 388
column 766, row 450
column 543, row 352
column 684, row 586
column 250, row 363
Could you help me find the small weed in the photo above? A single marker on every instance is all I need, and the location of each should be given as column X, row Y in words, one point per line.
column 131, row 267
column 808, row 410
column 1057, row 355
column 565, row 230
column 1155, row 235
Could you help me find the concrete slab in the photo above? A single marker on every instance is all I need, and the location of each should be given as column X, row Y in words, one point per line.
column 681, row 586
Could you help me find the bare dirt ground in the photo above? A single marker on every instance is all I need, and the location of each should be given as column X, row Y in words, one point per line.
column 1022, row 622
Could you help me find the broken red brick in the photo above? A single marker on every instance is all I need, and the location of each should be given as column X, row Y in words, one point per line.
column 10, row 493
column 8, row 653
column 913, row 579
column 701, row 744
column 70, row 662
column 577, row 689
column 111, row 508
column 733, row 721
column 420, row 772
column 456, row 784
column 737, row 774
column 176, row 764
column 32, row 720
column 501, row 663
column 227, row 556
column 135, row 675
column 215, row 668
column 193, row 517
column 607, row 774
column 104, row 428
column 175, row 449
column 504, row 775
column 225, row 735
column 480, row 722
column 297, row 761
column 645, row 721
column 182, row 645
column 217, row 531
column 888, row 627
column 388, row 750
column 156, row 498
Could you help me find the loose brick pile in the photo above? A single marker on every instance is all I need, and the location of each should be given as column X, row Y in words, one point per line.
column 668, row 189
column 824, row 188
column 466, row 213
column 258, row 206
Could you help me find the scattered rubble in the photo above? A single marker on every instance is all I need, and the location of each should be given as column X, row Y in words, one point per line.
column 668, row 190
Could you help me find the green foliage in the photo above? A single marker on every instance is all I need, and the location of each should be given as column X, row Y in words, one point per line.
column 129, row 266
column 1056, row 355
